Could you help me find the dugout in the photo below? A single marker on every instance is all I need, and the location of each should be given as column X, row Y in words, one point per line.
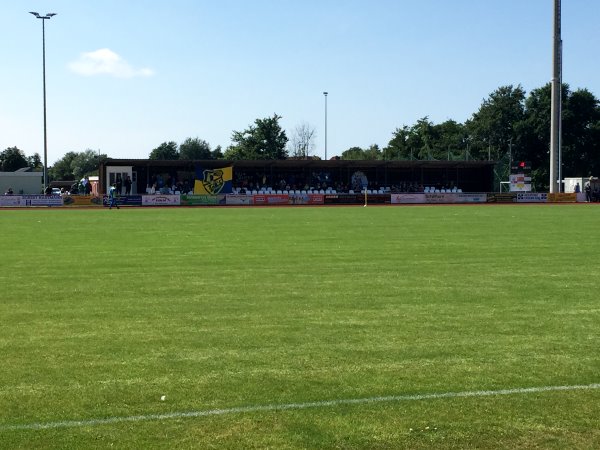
column 470, row 176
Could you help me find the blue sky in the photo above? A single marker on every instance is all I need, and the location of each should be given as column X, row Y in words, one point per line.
column 123, row 76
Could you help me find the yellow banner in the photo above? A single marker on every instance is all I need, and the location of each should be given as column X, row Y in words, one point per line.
column 82, row 200
column 213, row 181
column 562, row 198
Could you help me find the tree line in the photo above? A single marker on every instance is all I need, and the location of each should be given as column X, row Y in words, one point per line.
column 509, row 125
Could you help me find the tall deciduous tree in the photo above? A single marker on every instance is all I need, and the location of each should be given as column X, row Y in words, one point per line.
column 76, row 165
column 165, row 151
column 195, row 148
column 373, row 153
column 35, row 161
column 62, row 169
column 494, row 126
column 86, row 163
column 263, row 140
column 398, row 147
column 12, row 159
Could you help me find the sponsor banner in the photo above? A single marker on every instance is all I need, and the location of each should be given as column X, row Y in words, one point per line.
column 532, row 197
column 439, row 198
column 469, row 198
column 306, row 199
column 271, row 199
column 124, row 200
column 377, row 198
column 407, row 198
column 41, row 200
column 10, row 200
column 344, row 199
column 161, row 200
column 502, row 198
column 562, row 198
column 232, row 199
column 519, row 182
column 199, row 200
column 82, row 200
column 213, row 181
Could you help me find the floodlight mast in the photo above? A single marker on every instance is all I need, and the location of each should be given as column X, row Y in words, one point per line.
column 325, row 94
column 44, row 18
column 556, row 113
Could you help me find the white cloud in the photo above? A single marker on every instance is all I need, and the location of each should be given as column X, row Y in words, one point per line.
column 106, row 62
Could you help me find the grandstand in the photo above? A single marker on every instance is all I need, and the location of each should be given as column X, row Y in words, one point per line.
column 314, row 175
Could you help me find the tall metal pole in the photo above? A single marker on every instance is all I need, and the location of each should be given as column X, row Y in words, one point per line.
column 43, row 18
column 325, row 94
column 555, row 121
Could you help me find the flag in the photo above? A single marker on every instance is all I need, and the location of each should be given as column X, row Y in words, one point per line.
column 213, row 181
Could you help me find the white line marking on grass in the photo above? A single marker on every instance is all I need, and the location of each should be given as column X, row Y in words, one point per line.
column 286, row 407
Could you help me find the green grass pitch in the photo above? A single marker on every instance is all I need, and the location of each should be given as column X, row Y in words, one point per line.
column 233, row 313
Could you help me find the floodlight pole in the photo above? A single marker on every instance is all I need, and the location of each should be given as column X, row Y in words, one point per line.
column 325, row 94
column 44, row 18
column 555, row 121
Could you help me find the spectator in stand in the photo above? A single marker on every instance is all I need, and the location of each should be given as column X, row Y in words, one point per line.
column 128, row 185
column 9, row 191
column 588, row 191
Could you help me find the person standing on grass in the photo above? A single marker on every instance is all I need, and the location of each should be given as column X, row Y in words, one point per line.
column 112, row 196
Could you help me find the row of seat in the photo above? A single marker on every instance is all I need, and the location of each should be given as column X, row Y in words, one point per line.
column 285, row 191
column 432, row 190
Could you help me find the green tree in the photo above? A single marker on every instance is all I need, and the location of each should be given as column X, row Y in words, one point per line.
column 217, row 153
column 35, row 162
column 494, row 126
column 354, row 153
column 165, row 151
column 195, row 148
column 580, row 126
column 398, row 147
column 13, row 159
column 451, row 138
column 86, row 163
column 76, row 165
column 265, row 139
column 373, row 153
column 62, row 169
column 422, row 139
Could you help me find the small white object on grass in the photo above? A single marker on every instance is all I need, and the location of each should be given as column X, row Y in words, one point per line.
column 163, row 398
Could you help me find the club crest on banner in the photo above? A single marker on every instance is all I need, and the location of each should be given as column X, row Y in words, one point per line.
column 213, row 181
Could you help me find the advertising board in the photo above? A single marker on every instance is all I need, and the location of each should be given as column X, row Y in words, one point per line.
column 82, row 200
column 239, row 200
column 124, row 200
column 161, row 200
column 306, row 199
column 41, row 200
column 562, row 198
column 12, row 201
column 407, row 198
column 271, row 199
column 532, row 197
column 200, row 200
